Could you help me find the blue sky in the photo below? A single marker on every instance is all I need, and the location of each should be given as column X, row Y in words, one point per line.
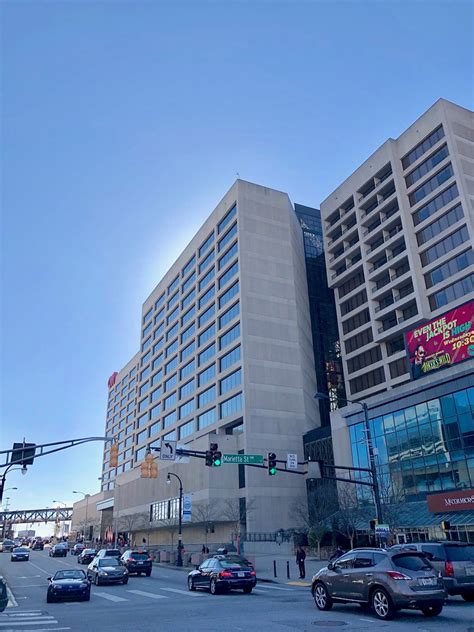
column 124, row 123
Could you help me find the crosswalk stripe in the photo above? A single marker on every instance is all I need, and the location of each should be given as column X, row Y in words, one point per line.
column 265, row 587
column 142, row 593
column 184, row 592
column 15, row 623
column 108, row 596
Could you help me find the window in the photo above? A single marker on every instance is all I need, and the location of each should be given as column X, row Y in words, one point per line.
column 188, row 369
column 364, row 359
column 171, row 365
column 440, row 225
column 147, row 329
column 186, row 409
column 173, row 316
column 207, row 261
column 140, row 454
column 173, row 285
column 398, row 367
column 231, row 406
column 207, row 354
column 230, row 336
column 205, row 298
column 173, row 300
column 146, row 358
column 444, row 246
column 207, row 418
column 171, row 382
column 186, row 429
column 188, row 332
column 171, row 333
column 187, row 300
column 423, row 147
column 171, row 348
column 351, row 284
column 147, row 316
column 225, row 278
column 157, row 333
column 231, row 381
column 169, row 401
column 143, row 404
column 157, row 361
column 154, row 429
column 229, row 294
column 207, row 334
column 229, row 315
column 145, row 373
column 206, row 244
column 356, row 301
column 157, row 346
column 156, row 394
column 225, row 221
column 187, row 351
column 169, row 420
column 189, row 314
column 160, row 301
column 189, row 281
column 452, row 292
column 186, row 389
column 207, row 375
column 207, row 396
column 189, row 266
column 227, row 237
column 205, row 316
column 367, row 380
column 450, row 268
column 206, row 279
column 142, row 436
column 224, row 260
column 426, row 166
column 144, row 388
column 141, row 421
column 430, row 185
column 229, row 358
column 171, row 436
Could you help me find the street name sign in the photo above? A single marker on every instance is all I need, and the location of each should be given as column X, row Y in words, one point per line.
column 243, row 459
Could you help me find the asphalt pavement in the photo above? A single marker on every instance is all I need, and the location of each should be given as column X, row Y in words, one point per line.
column 162, row 602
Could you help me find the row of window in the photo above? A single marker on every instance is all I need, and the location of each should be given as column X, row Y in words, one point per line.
column 452, row 292
column 430, row 185
column 440, row 225
column 449, row 268
column 423, row 147
column 444, row 246
column 371, row 356
column 427, row 165
column 425, row 211
column 368, row 380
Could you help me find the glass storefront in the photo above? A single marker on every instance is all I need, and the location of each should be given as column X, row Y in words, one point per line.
column 420, row 449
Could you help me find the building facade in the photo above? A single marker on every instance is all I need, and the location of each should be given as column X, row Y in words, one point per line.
column 399, row 234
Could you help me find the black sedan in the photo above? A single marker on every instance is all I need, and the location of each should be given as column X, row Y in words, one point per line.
column 220, row 573
column 86, row 556
column 20, row 554
column 107, row 570
column 68, row 584
column 77, row 548
column 58, row 550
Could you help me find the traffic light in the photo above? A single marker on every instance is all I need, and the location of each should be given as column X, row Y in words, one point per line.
column 113, row 458
column 208, row 458
column 215, row 456
column 445, row 525
column 373, row 524
column 271, row 463
column 149, row 469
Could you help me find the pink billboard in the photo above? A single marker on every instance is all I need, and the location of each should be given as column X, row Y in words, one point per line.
column 442, row 342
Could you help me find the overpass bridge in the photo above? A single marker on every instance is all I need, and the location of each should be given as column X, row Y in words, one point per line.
column 19, row 516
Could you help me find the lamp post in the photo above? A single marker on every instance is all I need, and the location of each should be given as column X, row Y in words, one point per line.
column 179, row 560
column 60, row 502
column 86, row 496
column 373, row 470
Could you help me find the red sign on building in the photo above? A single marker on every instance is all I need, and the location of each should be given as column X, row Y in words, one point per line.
column 459, row 500
column 112, row 379
column 439, row 343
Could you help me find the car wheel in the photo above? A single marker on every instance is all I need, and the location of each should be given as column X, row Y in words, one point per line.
column 214, row 589
column 148, row 573
column 468, row 596
column 321, row 597
column 432, row 611
column 87, row 597
column 247, row 590
column 382, row 604
column 49, row 598
column 191, row 585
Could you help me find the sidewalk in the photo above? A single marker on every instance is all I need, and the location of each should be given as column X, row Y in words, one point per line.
column 264, row 565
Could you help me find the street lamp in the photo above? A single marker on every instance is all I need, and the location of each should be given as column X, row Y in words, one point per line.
column 59, row 502
column 86, row 496
column 373, row 470
column 179, row 560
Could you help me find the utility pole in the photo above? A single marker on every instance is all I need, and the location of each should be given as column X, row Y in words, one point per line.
column 179, row 560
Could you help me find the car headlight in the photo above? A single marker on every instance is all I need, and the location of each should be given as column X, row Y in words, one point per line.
column 102, row 573
column 84, row 585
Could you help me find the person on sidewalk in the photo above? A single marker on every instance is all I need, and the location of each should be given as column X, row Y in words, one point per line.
column 300, row 558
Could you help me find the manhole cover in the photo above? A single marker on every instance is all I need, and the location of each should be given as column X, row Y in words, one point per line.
column 329, row 624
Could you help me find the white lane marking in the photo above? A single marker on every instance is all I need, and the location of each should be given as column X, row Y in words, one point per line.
column 15, row 623
column 108, row 596
column 369, row 620
column 36, row 630
column 41, row 569
column 183, row 592
column 265, row 587
column 12, row 602
column 147, row 594
column 33, row 613
column 28, row 585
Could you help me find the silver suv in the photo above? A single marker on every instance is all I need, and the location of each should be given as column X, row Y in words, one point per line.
column 385, row 581
column 455, row 562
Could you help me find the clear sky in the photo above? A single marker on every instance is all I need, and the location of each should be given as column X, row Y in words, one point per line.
column 124, row 123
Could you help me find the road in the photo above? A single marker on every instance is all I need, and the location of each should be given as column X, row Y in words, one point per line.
column 162, row 602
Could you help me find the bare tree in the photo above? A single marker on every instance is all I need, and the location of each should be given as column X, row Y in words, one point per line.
column 236, row 513
column 313, row 518
column 132, row 522
column 205, row 515
column 350, row 513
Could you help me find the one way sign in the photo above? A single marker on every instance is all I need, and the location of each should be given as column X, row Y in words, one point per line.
column 168, row 451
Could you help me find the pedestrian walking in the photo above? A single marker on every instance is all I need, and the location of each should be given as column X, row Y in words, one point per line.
column 300, row 558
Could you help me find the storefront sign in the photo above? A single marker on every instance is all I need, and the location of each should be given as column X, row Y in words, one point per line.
column 439, row 343
column 459, row 500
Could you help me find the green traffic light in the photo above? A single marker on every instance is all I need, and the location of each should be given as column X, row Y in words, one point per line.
column 217, row 462
column 272, row 471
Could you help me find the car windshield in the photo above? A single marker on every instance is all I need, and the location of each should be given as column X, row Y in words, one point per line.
column 412, row 562
column 20, row 549
column 112, row 553
column 88, row 552
column 70, row 575
column 460, row 553
column 109, row 562
column 139, row 556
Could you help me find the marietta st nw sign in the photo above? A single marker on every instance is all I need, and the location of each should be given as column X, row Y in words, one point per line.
column 243, row 459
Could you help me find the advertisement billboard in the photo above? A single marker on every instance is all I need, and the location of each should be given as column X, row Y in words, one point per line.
column 441, row 342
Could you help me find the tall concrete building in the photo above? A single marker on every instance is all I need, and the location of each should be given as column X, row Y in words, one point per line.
column 226, row 356
column 398, row 243
column 399, row 251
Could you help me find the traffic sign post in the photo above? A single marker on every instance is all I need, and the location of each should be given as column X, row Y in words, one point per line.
column 292, row 461
column 243, row 459
column 168, row 451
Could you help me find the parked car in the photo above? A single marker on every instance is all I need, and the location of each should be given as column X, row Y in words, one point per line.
column 66, row 584
column 385, row 581
column 3, row 594
column 7, row 546
column 223, row 573
column 77, row 548
column 137, row 561
column 86, row 556
column 455, row 562
column 58, row 550
column 20, row 554
column 109, row 553
column 107, row 570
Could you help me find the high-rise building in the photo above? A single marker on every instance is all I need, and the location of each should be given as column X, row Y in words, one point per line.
column 226, row 356
column 399, row 235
